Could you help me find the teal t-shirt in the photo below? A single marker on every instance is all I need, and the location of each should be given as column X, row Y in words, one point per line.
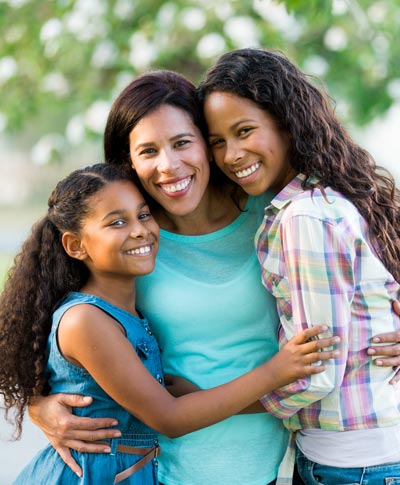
column 215, row 321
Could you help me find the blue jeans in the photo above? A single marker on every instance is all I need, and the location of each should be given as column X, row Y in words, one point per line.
column 314, row 474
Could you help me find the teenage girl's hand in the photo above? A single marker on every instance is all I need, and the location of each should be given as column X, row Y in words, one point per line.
column 302, row 351
column 390, row 352
column 53, row 415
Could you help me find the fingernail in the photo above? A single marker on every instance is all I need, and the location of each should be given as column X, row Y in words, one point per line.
column 79, row 474
column 324, row 328
column 107, row 450
column 371, row 351
column 376, row 340
column 117, row 434
column 114, row 423
column 378, row 362
column 86, row 399
column 336, row 339
column 336, row 353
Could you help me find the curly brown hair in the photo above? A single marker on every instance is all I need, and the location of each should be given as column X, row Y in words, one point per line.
column 320, row 145
column 41, row 277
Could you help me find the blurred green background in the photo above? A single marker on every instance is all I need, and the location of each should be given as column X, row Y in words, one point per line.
column 62, row 62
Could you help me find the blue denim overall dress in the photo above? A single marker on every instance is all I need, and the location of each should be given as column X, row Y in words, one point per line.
column 98, row 469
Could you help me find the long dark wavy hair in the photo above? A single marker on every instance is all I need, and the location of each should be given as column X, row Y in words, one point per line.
column 320, row 145
column 42, row 276
column 140, row 98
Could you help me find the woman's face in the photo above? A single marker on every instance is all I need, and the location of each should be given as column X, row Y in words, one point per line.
column 171, row 159
column 247, row 144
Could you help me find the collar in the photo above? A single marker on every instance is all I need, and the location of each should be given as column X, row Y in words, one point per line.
column 289, row 192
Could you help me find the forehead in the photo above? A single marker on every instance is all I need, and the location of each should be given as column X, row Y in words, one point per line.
column 165, row 115
column 119, row 194
column 225, row 110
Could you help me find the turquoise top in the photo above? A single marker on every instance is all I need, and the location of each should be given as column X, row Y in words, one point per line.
column 214, row 321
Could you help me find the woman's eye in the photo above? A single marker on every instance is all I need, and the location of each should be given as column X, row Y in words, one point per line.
column 181, row 143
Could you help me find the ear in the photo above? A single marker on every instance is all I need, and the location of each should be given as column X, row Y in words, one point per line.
column 72, row 246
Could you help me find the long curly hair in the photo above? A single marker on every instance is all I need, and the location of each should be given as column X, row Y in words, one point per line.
column 320, row 145
column 140, row 98
column 41, row 277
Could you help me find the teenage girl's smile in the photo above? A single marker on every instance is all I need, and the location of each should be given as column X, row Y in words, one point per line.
column 170, row 158
column 247, row 144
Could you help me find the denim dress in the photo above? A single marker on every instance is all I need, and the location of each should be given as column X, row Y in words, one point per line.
column 47, row 467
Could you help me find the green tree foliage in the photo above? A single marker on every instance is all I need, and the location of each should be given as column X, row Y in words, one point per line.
column 63, row 61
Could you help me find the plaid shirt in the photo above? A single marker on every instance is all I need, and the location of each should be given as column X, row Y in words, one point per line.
column 318, row 262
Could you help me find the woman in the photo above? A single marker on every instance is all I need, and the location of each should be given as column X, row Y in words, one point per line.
column 220, row 321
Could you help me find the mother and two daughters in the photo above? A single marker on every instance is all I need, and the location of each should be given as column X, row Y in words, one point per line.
column 73, row 320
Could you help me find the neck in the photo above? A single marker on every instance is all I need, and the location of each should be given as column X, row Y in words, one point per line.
column 216, row 210
column 122, row 294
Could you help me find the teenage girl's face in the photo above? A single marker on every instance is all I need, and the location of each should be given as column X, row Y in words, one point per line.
column 171, row 159
column 119, row 236
column 247, row 144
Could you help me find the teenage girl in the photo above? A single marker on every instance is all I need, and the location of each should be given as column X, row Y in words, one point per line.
column 329, row 249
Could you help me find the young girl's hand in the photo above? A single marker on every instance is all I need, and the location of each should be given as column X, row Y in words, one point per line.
column 303, row 354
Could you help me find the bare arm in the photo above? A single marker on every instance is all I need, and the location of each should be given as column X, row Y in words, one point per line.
column 90, row 338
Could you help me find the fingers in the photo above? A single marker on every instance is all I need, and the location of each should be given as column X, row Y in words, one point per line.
column 88, row 436
column 309, row 333
column 74, row 400
column 388, row 337
column 387, row 362
column 317, row 345
column 66, row 456
column 88, row 447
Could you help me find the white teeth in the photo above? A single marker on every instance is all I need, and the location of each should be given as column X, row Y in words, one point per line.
column 142, row 250
column 247, row 171
column 171, row 188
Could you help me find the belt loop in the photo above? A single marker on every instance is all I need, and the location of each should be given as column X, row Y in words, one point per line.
column 113, row 444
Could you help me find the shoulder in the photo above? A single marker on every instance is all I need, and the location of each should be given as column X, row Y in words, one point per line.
column 325, row 205
column 83, row 316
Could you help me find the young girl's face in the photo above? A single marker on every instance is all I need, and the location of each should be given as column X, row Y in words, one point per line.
column 119, row 236
column 171, row 159
column 247, row 144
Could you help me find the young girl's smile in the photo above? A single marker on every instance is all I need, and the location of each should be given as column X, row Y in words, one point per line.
column 120, row 234
column 247, row 144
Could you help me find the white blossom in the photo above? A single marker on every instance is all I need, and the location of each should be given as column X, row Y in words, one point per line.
column 243, row 31
column 335, row 39
column 193, row 18
column 8, row 69
column 210, row 45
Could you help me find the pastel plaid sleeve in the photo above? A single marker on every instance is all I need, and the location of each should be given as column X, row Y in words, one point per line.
column 317, row 258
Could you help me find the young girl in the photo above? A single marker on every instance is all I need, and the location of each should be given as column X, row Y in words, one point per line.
column 75, row 280
column 329, row 248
